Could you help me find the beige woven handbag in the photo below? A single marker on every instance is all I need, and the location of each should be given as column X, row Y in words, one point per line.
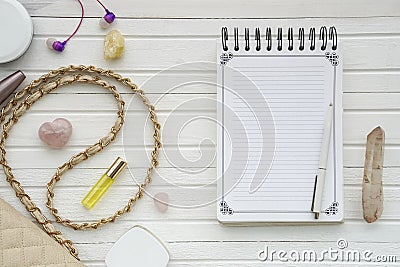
column 22, row 243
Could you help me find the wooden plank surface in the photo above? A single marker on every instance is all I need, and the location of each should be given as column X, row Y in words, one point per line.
column 159, row 36
column 222, row 9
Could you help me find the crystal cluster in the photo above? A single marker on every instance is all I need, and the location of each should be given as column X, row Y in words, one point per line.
column 114, row 45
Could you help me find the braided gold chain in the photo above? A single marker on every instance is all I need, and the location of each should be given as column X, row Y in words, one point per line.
column 47, row 83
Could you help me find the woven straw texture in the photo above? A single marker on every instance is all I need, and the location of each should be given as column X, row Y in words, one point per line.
column 22, row 243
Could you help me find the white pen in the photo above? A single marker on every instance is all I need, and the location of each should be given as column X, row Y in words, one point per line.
column 323, row 160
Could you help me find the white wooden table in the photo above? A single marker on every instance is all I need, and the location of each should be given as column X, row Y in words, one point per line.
column 160, row 34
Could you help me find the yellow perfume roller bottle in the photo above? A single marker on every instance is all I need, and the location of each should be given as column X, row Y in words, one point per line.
column 102, row 185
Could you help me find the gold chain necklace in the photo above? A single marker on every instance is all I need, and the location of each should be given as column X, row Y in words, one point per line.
column 47, row 83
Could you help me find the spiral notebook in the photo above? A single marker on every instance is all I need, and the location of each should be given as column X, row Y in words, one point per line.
column 274, row 90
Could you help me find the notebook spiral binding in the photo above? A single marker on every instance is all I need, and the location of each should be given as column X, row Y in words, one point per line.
column 323, row 37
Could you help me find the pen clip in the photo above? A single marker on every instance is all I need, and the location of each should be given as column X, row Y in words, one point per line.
column 315, row 189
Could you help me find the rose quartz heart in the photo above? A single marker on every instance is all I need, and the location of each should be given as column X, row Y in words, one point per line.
column 55, row 134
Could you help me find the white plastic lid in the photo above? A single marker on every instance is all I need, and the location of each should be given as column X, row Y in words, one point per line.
column 138, row 247
column 16, row 30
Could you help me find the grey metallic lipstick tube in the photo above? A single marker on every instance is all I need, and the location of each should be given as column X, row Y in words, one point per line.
column 9, row 84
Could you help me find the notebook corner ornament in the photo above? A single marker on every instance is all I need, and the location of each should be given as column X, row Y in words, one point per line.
column 225, row 209
column 332, row 57
column 225, row 57
column 332, row 209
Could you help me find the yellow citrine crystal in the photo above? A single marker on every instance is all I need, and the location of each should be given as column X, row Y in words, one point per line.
column 114, row 45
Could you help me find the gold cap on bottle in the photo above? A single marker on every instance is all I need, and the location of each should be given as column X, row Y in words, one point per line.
column 116, row 168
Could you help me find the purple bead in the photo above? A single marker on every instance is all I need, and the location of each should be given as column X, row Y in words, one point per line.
column 59, row 46
column 109, row 17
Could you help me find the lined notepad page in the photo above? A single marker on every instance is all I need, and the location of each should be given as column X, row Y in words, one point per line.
column 273, row 108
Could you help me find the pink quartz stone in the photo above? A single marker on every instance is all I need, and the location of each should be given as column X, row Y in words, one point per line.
column 161, row 201
column 55, row 134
